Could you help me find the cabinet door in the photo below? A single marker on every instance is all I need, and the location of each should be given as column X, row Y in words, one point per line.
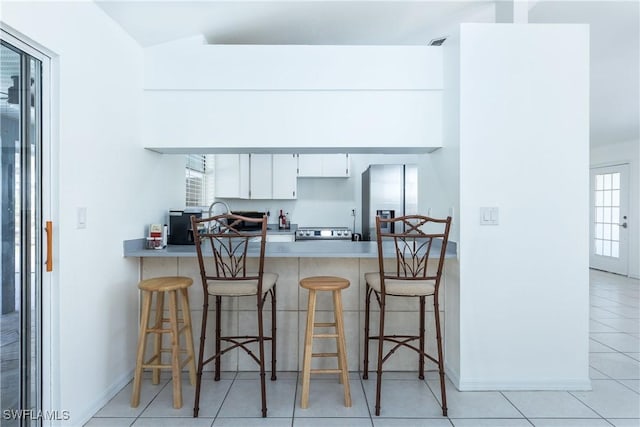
column 285, row 171
column 335, row 165
column 260, row 176
column 323, row 165
column 231, row 176
column 280, row 237
column 309, row 165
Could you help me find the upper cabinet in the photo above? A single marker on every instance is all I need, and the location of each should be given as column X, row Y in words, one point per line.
column 232, row 176
column 284, row 175
column 256, row 176
column 260, row 177
column 323, row 166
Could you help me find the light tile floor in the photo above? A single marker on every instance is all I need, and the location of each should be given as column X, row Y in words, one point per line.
column 407, row 401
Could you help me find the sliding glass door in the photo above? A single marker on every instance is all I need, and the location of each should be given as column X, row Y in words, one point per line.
column 22, row 229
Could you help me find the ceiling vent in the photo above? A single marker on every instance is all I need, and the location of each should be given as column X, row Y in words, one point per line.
column 437, row 42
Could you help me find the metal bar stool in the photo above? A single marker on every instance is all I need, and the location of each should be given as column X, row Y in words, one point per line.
column 222, row 245
column 335, row 285
column 159, row 286
column 416, row 253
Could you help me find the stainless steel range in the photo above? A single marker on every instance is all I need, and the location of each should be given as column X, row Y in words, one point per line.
column 323, row 233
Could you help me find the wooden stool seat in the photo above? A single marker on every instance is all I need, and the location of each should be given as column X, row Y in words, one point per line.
column 334, row 285
column 165, row 284
column 324, row 283
column 158, row 286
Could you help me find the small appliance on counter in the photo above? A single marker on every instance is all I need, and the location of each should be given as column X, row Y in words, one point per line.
column 249, row 226
column 157, row 238
column 180, row 231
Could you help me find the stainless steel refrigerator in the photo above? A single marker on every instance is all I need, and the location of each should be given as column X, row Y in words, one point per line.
column 389, row 191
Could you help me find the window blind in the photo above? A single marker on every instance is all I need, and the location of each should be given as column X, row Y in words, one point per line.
column 196, row 167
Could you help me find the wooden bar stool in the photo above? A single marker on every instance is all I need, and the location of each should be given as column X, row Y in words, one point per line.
column 335, row 285
column 159, row 286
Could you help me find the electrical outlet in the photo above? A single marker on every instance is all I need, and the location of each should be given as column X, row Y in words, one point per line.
column 81, row 218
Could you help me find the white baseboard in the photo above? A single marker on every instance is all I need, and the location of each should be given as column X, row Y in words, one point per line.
column 454, row 377
column 109, row 393
column 530, row 384
column 568, row 384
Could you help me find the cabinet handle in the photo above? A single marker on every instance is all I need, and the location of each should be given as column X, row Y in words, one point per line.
column 49, row 229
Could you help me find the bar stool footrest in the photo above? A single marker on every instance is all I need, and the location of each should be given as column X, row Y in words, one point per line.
column 326, row 371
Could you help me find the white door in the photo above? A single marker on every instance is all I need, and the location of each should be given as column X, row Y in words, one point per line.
column 609, row 220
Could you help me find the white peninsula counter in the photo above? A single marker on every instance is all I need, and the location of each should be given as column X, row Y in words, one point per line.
column 293, row 261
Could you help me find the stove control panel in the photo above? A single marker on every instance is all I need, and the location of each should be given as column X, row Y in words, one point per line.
column 323, row 233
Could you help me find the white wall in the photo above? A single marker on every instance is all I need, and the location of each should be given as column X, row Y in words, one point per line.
column 243, row 97
column 524, row 147
column 99, row 165
column 617, row 153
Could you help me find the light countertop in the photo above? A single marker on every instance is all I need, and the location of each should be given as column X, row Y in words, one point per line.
column 300, row 249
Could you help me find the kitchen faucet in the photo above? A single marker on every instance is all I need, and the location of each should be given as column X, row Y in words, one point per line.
column 216, row 228
column 226, row 206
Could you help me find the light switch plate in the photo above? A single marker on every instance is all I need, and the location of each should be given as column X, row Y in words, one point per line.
column 489, row 216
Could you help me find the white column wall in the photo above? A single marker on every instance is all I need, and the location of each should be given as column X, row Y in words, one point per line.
column 444, row 177
column 524, row 148
column 617, row 153
column 210, row 98
column 99, row 165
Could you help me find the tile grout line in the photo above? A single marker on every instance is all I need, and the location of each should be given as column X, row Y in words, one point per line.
column 517, row 409
column 585, row 404
column 295, row 394
column 366, row 401
column 235, row 376
column 150, row 401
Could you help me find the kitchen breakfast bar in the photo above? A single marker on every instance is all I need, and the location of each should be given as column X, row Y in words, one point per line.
column 293, row 261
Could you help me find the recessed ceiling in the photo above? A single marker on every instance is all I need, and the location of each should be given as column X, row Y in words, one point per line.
column 288, row 22
column 614, row 35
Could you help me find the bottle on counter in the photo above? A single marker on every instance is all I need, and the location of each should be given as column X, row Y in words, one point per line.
column 282, row 220
column 165, row 235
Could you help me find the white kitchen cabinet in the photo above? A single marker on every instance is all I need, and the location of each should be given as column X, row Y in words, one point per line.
column 232, row 176
column 256, row 176
column 284, row 176
column 280, row 237
column 323, row 166
column 260, row 177
column 309, row 165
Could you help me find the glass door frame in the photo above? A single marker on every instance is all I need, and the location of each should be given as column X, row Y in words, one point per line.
column 45, row 185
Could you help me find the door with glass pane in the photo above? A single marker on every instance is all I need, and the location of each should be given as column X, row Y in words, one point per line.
column 609, row 218
column 22, row 232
